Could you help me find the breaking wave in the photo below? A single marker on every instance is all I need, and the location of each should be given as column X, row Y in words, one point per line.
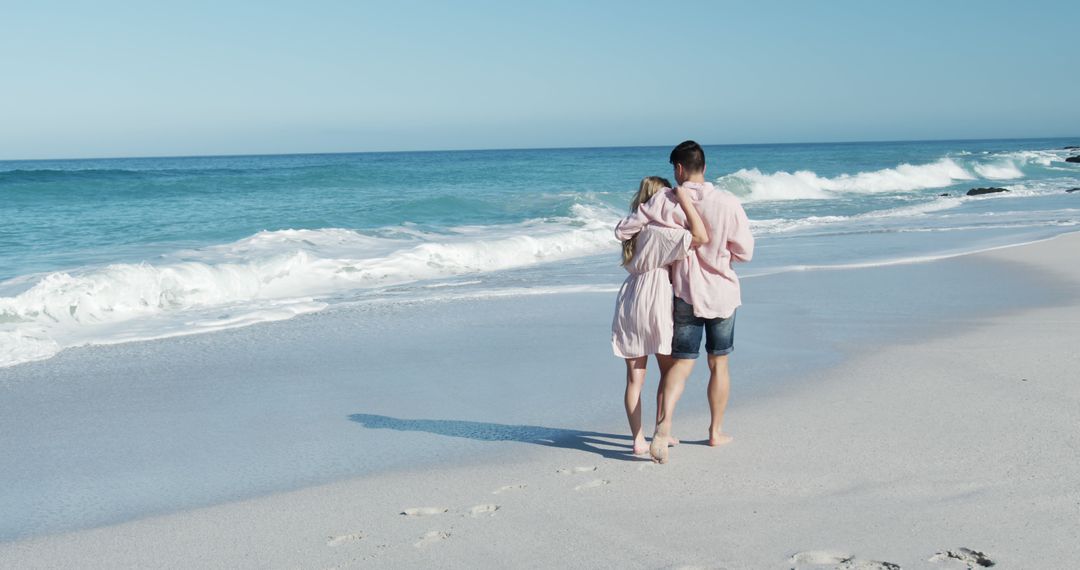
column 271, row 275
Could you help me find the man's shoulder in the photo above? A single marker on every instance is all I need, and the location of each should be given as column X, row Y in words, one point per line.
column 728, row 197
column 722, row 197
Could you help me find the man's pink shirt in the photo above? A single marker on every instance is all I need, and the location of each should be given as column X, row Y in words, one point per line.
column 705, row 279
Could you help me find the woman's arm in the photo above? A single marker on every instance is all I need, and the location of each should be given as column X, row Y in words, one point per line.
column 700, row 236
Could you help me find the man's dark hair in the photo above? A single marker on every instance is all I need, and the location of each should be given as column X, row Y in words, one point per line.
column 690, row 155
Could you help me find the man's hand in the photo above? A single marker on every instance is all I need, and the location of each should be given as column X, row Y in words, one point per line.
column 681, row 193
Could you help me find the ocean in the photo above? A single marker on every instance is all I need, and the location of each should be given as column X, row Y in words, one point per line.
column 117, row 250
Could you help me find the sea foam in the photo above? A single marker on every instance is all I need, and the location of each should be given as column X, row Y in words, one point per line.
column 784, row 225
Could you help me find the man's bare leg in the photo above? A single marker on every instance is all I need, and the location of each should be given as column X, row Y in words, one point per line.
column 719, row 389
column 636, row 370
column 665, row 362
column 674, row 381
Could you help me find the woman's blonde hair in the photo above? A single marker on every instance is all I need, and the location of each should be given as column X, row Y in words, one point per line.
column 650, row 185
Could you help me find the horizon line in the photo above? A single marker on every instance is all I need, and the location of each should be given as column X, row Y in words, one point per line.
column 591, row 147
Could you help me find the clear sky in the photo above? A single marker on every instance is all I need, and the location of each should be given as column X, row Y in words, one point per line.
column 138, row 78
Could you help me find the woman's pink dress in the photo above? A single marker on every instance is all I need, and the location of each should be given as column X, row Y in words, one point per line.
column 643, row 321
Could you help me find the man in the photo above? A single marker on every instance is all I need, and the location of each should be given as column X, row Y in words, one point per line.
column 706, row 289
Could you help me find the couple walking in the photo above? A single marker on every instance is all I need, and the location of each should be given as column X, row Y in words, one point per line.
column 678, row 245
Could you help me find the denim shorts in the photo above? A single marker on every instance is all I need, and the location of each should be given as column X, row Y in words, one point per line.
column 686, row 340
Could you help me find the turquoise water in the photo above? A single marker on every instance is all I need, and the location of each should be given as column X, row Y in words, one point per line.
column 112, row 250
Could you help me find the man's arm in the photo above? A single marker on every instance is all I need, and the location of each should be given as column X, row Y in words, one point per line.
column 741, row 242
column 693, row 218
column 629, row 226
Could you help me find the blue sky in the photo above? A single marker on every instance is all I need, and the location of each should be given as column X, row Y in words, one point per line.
column 94, row 79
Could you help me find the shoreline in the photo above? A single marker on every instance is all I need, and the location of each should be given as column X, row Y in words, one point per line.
column 307, row 307
column 371, row 503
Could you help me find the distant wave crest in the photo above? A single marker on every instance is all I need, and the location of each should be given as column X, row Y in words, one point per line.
column 753, row 185
column 1003, row 170
column 60, row 175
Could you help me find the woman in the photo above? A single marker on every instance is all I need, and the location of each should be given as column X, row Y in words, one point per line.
column 643, row 322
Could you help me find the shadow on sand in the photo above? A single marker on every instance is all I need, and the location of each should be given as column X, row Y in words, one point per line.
column 592, row 442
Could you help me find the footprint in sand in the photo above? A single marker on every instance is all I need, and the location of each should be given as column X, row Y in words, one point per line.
column 508, row 488
column 820, row 558
column 424, row 511
column 574, row 470
column 431, row 538
column 972, row 559
column 837, row 560
column 479, row 510
column 344, row 539
column 857, row 564
column 592, row 484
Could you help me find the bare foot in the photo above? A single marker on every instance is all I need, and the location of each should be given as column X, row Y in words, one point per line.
column 672, row 441
column 641, row 447
column 718, row 438
column 658, row 448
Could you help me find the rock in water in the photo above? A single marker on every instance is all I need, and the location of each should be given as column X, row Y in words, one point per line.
column 1073, row 158
column 1070, row 190
column 979, row 191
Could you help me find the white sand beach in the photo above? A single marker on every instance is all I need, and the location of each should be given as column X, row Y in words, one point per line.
column 905, row 416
